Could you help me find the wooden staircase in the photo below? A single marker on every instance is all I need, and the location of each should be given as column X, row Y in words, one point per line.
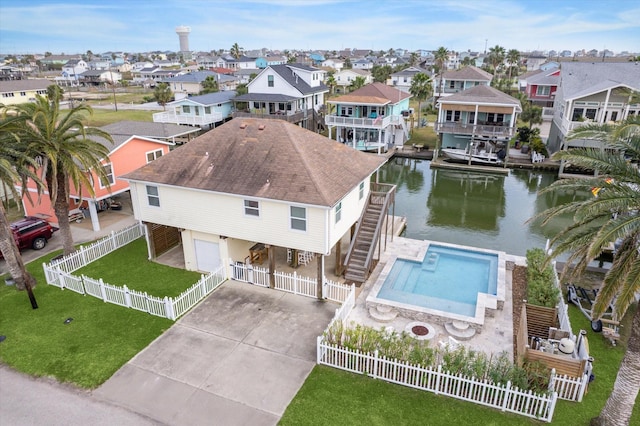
column 360, row 258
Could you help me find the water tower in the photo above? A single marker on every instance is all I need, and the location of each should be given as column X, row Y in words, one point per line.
column 183, row 34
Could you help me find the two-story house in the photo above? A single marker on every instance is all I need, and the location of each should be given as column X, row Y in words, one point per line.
column 204, row 111
column 99, row 77
column 370, row 118
column 292, row 92
column 14, row 92
column 403, row 79
column 591, row 92
column 258, row 185
column 457, row 81
column 541, row 90
column 481, row 118
column 345, row 78
column 191, row 83
column 71, row 72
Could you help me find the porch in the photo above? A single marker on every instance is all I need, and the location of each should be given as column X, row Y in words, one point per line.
column 499, row 129
column 190, row 120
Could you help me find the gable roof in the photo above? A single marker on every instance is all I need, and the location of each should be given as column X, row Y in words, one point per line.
column 15, row 85
column 546, row 78
column 148, row 129
column 209, row 98
column 287, row 72
column 374, row 93
column 269, row 159
column 192, row 77
column 482, row 95
column 468, row 73
column 583, row 78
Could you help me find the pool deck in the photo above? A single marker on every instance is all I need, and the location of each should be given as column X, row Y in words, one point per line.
column 497, row 331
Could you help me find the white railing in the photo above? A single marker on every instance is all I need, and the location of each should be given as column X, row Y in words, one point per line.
column 248, row 273
column 336, row 292
column 569, row 387
column 85, row 255
column 504, row 397
column 547, row 113
column 194, row 120
column 371, row 123
column 293, row 283
column 167, row 307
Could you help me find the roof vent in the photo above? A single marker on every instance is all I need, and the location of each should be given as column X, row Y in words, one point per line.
column 243, row 125
column 261, row 127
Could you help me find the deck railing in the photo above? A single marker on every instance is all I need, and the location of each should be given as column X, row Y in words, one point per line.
column 474, row 129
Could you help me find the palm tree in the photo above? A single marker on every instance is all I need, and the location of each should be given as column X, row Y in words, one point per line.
column 513, row 58
column 440, row 56
column 357, row 83
column 236, row 50
column 496, row 57
column 209, row 85
column 60, row 144
column 413, row 58
column 594, row 228
column 331, row 83
column 163, row 94
column 15, row 166
column 421, row 89
column 467, row 61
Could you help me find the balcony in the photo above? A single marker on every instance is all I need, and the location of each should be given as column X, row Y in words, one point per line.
column 191, row 120
column 474, row 129
column 362, row 123
column 291, row 117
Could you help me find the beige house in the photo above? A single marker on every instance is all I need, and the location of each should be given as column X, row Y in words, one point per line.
column 252, row 183
column 13, row 92
column 345, row 78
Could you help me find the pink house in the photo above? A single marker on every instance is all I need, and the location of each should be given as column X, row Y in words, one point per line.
column 127, row 154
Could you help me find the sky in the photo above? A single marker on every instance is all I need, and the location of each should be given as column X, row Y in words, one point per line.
column 76, row 26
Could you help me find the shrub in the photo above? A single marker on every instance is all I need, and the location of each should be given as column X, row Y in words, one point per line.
column 541, row 287
column 538, row 146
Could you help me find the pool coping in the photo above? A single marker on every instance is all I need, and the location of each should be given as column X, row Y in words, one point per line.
column 484, row 302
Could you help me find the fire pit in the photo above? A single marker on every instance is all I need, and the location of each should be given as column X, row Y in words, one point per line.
column 420, row 330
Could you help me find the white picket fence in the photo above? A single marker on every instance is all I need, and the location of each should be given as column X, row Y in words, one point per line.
column 85, row 255
column 167, row 307
column 504, row 397
column 289, row 282
column 569, row 387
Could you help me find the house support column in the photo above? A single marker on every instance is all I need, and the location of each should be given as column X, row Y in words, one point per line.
column 271, row 253
column 320, row 283
column 94, row 216
column 339, row 257
column 603, row 119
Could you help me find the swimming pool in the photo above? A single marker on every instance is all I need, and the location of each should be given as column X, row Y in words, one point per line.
column 444, row 281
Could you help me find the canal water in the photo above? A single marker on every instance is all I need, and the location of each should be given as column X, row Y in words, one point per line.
column 475, row 209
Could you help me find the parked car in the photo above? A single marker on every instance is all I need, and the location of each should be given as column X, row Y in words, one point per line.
column 32, row 232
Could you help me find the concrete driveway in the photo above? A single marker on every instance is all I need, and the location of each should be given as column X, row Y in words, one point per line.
column 238, row 358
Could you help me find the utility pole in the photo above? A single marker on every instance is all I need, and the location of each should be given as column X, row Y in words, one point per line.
column 113, row 87
column 485, row 45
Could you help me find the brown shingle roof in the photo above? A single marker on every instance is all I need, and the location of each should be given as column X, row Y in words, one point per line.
column 374, row 93
column 482, row 95
column 281, row 162
column 468, row 73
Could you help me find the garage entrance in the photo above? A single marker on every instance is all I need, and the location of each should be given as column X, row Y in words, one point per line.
column 207, row 255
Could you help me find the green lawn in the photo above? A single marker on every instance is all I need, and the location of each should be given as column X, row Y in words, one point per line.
column 129, row 265
column 423, row 136
column 102, row 117
column 331, row 396
column 102, row 336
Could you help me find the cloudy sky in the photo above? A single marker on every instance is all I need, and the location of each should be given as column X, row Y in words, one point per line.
column 75, row 26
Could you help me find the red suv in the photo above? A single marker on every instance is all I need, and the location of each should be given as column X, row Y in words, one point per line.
column 32, row 232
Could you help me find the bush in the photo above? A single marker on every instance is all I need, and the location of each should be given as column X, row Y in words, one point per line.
column 541, row 287
column 538, row 146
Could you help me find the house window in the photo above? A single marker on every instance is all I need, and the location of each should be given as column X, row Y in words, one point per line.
column 590, row 113
column 339, row 212
column 23, row 93
column 186, row 109
column 361, row 191
column 449, row 115
column 207, row 110
column 108, row 171
column 298, row 218
column 456, row 116
column 472, row 117
column 252, row 208
column 452, row 85
column 577, row 113
column 315, row 99
column 346, row 111
column 543, row 90
column 154, row 155
column 8, row 95
column 270, row 80
column 153, row 197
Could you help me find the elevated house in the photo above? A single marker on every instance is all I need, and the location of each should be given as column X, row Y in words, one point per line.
column 14, row 92
column 346, row 77
column 591, row 92
column 291, row 92
column 370, row 118
column 457, row 81
column 203, row 111
column 541, row 90
column 99, row 77
column 191, row 83
column 403, row 79
column 260, row 186
column 481, row 114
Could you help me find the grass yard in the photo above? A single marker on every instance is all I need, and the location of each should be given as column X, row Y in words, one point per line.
column 423, row 136
column 102, row 117
column 330, row 396
column 102, row 336
column 129, row 265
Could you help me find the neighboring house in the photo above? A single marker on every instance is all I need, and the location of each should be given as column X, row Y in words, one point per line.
column 245, row 63
column 370, row 118
column 174, row 133
column 459, row 80
column 292, row 92
column 345, row 78
column 256, row 183
column 591, row 92
column 263, row 62
column 191, row 83
column 71, row 72
column 244, row 76
column 14, row 92
column 533, row 62
column 100, row 64
column 150, row 76
column 403, row 79
column 336, row 64
column 541, row 88
column 481, row 112
column 99, row 77
column 203, row 111
column 523, row 78
column 126, row 154
column 362, row 64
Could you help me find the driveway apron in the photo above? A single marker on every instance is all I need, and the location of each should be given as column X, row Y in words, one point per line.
column 238, row 358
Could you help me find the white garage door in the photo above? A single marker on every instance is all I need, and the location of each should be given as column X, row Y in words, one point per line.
column 207, row 255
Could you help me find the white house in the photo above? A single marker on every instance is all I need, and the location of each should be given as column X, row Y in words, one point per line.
column 345, row 78
column 203, row 111
column 252, row 183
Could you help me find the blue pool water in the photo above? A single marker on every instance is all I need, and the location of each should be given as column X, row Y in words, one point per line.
column 448, row 279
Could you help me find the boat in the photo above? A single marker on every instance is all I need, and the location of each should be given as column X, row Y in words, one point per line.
column 477, row 152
